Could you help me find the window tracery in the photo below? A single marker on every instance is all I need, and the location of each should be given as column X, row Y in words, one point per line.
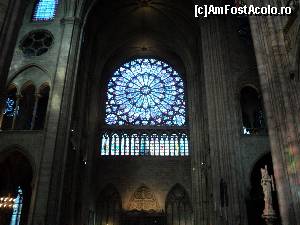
column 145, row 92
column 145, row 112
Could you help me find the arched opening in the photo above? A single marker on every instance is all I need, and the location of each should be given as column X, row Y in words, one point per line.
column 135, row 135
column 16, row 175
column 255, row 201
column 252, row 111
column 109, row 206
column 178, row 207
column 26, row 106
column 41, row 110
column 10, row 109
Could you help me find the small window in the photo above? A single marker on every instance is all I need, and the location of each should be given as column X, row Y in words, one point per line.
column 11, row 109
column 252, row 111
column 45, row 10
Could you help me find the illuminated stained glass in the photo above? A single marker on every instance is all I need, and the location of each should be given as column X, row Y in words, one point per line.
column 105, row 145
column 10, row 108
column 145, row 145
column 146, row 92
column 45, row 10
column 17, row 208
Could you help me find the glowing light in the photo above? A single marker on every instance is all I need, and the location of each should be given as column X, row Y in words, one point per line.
column 45, row 10
column 145, row 92
column 17, row 208
column 144, row 145
column 10, row 108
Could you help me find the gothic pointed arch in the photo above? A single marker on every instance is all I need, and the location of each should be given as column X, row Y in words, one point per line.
column 178, row 206
column 26, row 100
column 16, row 174
column 253, row 118
column 109, row 206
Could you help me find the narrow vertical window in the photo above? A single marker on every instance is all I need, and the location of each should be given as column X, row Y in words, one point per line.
column 252, row 111
column 11, row 109
column 41, row 107
column 26, row 107
column 17, row 208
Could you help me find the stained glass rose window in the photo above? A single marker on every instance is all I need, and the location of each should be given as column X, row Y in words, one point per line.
column 146, row 92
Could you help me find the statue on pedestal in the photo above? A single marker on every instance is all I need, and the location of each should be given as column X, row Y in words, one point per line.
column 267, row 184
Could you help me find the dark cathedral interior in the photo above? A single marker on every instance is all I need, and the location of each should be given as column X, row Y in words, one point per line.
column 140, row 112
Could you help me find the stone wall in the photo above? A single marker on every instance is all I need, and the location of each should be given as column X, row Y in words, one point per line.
column 3, row 12
column 127, row 174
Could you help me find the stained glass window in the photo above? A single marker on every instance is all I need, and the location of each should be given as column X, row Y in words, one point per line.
column 145, row 144
column 146, row 92
column 17, row 208
column 141, row 95
column 45, row 10
column 10, row 108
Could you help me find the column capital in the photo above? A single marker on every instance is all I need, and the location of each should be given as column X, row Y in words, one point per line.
column 37, row 95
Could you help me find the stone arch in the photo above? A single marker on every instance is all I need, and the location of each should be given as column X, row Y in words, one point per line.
column 29, row 104
column 43, row 93
column 16, row 173
column 22, row 150
column 108, row 206
column 251, row 109
column 25, row 104
column 178, row 206
column 32, row 72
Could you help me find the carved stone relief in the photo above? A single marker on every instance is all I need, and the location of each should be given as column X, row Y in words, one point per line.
column 143, row 199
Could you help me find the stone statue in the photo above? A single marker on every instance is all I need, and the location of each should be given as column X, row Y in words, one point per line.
column 267, row 184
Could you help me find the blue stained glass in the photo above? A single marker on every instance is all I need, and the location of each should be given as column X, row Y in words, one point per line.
column 144, row 145
column 146, row 92
column 45, row 10
column 10, row 108
column 17, row 208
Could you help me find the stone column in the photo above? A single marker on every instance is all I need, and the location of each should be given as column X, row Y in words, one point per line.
column 9, row 27
column 199, row 147
column 282, row 109
column 36, row 102
column 223, row 124
column 2, row 108
column 18, row 97
column 48, row 200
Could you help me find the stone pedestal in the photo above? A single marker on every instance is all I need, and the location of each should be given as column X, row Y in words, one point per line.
column 270, row 219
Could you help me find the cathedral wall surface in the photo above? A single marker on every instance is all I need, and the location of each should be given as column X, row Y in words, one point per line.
column 159, row 174
column 3, row 10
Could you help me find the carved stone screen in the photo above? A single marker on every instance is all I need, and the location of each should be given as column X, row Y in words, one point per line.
column 143, row 199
